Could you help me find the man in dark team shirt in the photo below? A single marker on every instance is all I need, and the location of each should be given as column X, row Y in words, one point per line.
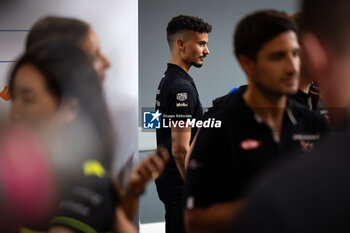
column 178, row 100
column 312, row 195
column 259, row 124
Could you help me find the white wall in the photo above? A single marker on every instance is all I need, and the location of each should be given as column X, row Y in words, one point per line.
column 116, row 24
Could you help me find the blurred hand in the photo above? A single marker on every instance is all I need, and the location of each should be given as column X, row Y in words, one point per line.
column 4, row 94
column 149, row 168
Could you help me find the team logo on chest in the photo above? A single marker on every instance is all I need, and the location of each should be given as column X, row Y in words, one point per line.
column 306, row 141
column 306, row 146
column 181, row 96
column 250, row 144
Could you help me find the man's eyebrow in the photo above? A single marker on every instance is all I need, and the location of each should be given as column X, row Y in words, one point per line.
column 278, row 52
column 285, row 51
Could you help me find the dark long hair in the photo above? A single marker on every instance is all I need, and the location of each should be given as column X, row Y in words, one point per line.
column 68, row 74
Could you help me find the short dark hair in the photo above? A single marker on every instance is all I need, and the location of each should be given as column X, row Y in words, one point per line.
column 68, row 73
column 256, row 29
column 184, row 22
column 329, row 20
column 54, row 29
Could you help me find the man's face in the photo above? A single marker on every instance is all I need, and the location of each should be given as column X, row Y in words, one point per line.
column 91, row 46
column 277, row 65
column 195, row 48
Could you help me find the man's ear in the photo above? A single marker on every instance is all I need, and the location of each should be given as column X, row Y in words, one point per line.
column 247, row 64
column 316, row 55
column 180, row 44
column 70, row 110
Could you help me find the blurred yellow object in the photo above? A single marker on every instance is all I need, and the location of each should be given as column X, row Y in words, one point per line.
column 26, row 230
column 93, row 168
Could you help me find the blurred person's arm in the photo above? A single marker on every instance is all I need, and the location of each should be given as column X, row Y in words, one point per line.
column 183, row 109
column 68, row 217
column 213, row 219
column 180, row 145
column 188, row 155
column 123, row 223
column 149, row 168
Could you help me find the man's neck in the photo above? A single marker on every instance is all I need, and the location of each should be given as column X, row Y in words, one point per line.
column 179, row 62
column 268, row 106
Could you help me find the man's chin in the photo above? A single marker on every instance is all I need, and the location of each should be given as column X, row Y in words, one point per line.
column 197, row 65
column 290, row 91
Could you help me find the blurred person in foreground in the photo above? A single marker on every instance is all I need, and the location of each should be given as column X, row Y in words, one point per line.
column 312, row 195
column 308, row 93
column 58, row 30
column 56, row 91
column 260, row 125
